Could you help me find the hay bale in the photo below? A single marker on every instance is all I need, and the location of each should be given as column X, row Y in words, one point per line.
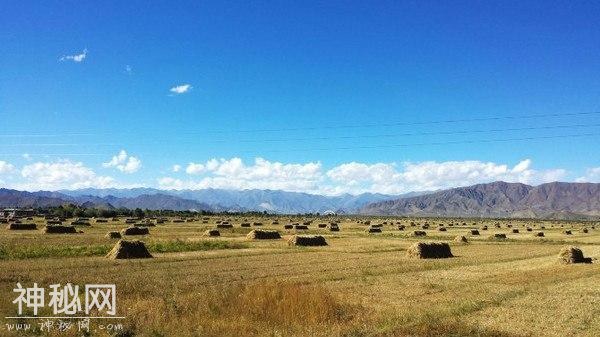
column 484, row 228
column 461, row 239
column 334, row 229
column 429, row 250
column 307, row 240
column 300, row 227
column 377, row 225
column 568, row 232
column 474, row 232
column 259, row 234
column 585, row 230
column 22, row 226
column 245, row 224
column 515, row 231
column 212, row 232
column 288, row 226
column 257, row 224
column 129, row 250
column 572, row 254
column 53, row 222
column 419, row 233
column 373, row 229
column 442, row 229
column 224, row 225
column 498, row 236
column 539, row 234
column 80, row 222
column 529, row 229
column 322, row 225
column 135, row 231
column 401, row 227
column 113, row 235
column 60, row 230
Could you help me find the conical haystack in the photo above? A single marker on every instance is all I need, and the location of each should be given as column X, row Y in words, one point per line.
column 129, row 250
column 572, row 254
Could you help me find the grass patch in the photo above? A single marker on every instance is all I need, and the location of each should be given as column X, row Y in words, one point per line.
column 21, row 252
column 192, row 246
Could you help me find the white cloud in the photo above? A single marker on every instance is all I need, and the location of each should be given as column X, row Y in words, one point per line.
column 62, row 174
column 354, row 177
column 124, row 163
column 75, row 58
column 194, row 168
column 128, row 69
column 181, row 89
column 6, row 168
column 592, row 175
column 262, row 174
column 176, row 168
column 431, row 175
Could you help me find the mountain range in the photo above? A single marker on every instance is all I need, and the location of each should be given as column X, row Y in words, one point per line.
column 498, row 199
column 208, row 199
column 555, row 200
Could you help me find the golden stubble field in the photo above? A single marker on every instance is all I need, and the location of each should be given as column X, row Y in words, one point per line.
column 359, row 285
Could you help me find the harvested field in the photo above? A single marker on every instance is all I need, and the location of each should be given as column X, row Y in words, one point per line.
column 356, row 285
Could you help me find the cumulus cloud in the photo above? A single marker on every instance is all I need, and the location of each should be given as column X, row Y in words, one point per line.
column 431, row 175
column 75, row 58
column 180, row 89
column 176, row 168
column 262, row 174
column 62, row 174
column 6, row 167
column 194, row 168
column 592, row 175
column 124, row 162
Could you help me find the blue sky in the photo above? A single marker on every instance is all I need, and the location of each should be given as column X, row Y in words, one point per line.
column 323, row 97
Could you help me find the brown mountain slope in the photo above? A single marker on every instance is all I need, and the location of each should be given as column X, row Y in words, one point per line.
column 499, row 199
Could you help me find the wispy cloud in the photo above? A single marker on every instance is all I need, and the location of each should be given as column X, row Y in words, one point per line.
column 128, row 69
column 181, row 89
column 75, row 58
